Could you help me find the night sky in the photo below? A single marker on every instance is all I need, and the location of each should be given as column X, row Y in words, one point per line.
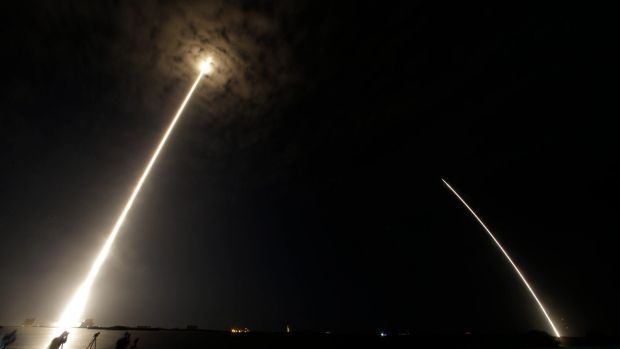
column 303, row 183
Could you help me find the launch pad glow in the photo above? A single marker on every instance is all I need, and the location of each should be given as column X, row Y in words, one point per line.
column 73, row 311
column 527, row 284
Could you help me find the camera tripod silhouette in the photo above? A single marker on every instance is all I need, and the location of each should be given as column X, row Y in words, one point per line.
column 93, row 342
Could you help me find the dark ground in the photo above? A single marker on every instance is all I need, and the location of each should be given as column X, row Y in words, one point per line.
column 37, row 337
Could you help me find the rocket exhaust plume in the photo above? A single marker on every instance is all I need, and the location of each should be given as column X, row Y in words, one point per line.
column 72, row 313
column 527, row 284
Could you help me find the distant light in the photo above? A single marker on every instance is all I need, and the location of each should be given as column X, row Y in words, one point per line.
column 383, row 334
column 206, row 66
column 240, row 330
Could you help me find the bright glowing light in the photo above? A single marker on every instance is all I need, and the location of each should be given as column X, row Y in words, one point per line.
column 240, row 330
column 72, row 313
column 542, row 308
column 206, row 66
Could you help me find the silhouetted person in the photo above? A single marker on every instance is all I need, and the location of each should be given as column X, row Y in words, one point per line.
column 135, row 343
column 8, row 339
column 124, row 341
column 59, row 341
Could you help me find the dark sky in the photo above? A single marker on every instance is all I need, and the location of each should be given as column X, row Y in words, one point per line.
column 303, row 183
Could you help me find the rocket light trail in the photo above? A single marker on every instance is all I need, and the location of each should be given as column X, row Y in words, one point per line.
column 72, row 313
column 542, row 308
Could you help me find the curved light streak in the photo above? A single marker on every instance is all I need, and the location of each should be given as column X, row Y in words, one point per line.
column 527, row 284
column 72, row 313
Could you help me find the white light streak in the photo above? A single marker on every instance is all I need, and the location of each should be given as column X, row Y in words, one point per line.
column 72, row 313
column 542, row 308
